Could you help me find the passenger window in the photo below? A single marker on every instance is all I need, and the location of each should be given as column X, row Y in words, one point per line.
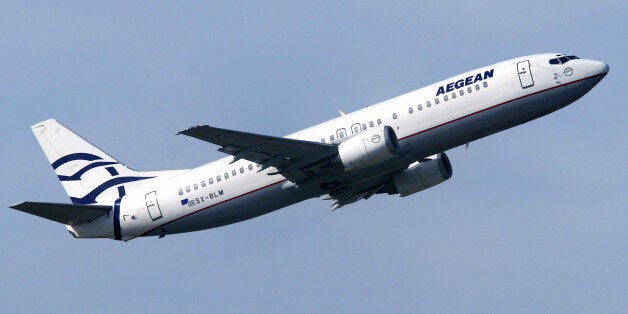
column 331, row 138
column 241, row 169
column 323, row 140
column 341, row 133
column 211, row 180
column 371, row 124
column 364, row 127
column 395, row 116
column 180, row 191
column 226, row 175
column 233, row 173
column 437, row 100
column 218, row 178
column 355, row 128
column 187, row 189
column 259, row 165
column 250, row 166
column 446, row 98
column 453, row 95
column 469, row 89
column 379, row 121
column 195, row 186
column 428, row 104
column 477, row 86
column 485, row 84
column 420, row 107
column 461, row 92
column 410, row 110
column 203, row 184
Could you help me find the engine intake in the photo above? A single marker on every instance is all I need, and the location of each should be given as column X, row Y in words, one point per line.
column 368, row 148
column 420, row 175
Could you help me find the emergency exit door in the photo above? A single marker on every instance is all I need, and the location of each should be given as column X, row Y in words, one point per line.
column 525, row 75
column 152, row 205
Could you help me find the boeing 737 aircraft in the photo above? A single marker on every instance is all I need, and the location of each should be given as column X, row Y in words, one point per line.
column 394, row 147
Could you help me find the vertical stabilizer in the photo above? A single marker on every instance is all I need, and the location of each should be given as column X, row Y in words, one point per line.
column 88, row 174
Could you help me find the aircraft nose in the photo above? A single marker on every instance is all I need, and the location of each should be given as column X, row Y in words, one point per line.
column 597, row 67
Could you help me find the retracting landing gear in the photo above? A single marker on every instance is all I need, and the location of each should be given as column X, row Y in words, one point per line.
column 162, row 233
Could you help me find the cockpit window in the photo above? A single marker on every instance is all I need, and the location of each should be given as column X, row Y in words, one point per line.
column 563, row 59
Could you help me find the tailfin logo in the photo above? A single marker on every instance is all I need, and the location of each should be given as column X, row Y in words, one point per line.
column 101, row 184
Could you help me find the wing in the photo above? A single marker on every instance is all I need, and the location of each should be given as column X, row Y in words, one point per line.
column 68, row 214
column 342, row 197
column 296, row 160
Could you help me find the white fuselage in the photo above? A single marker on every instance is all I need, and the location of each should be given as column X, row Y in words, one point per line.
column 427, row 121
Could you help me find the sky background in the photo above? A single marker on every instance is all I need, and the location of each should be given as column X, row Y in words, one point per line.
column 535, row 219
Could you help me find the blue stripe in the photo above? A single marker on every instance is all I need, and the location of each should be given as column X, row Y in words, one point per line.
column 117, row 231
column 121, row 191
column 72, row 157
column 90, row 198
column 112, row 171
column 78, row 174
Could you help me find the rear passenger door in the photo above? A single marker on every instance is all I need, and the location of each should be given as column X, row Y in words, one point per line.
column 152, row 205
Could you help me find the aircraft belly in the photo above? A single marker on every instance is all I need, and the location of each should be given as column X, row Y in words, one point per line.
column 237, row 209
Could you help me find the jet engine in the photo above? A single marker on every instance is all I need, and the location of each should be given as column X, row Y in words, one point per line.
column 420, row 175
column 368, row 148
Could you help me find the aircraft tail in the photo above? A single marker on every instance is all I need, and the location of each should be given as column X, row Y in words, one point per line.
column 88, row 174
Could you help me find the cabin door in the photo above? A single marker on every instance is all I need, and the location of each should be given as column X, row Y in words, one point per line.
column 525, row 75
column 153, row 206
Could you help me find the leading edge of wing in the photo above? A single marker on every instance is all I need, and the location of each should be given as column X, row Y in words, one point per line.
column 221, row 137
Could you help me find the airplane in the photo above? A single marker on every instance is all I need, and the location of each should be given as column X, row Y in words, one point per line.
column 395, row 147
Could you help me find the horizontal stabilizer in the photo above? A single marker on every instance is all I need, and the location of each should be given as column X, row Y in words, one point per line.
column 68, row 214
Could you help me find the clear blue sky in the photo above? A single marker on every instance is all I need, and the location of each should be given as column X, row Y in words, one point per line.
column 535, row 219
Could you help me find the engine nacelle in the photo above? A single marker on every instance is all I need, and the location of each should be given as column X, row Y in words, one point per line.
column 368, row 148
column 420, row 175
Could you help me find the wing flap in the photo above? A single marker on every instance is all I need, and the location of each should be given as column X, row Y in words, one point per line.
column 344, row 197
column 68, row 214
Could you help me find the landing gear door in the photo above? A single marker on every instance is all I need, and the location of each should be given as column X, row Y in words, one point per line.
column 152, row 205
column 525, row 75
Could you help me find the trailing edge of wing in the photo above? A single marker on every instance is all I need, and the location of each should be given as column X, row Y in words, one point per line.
column 294, row 159
column 68, row 214
column 344, row 197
